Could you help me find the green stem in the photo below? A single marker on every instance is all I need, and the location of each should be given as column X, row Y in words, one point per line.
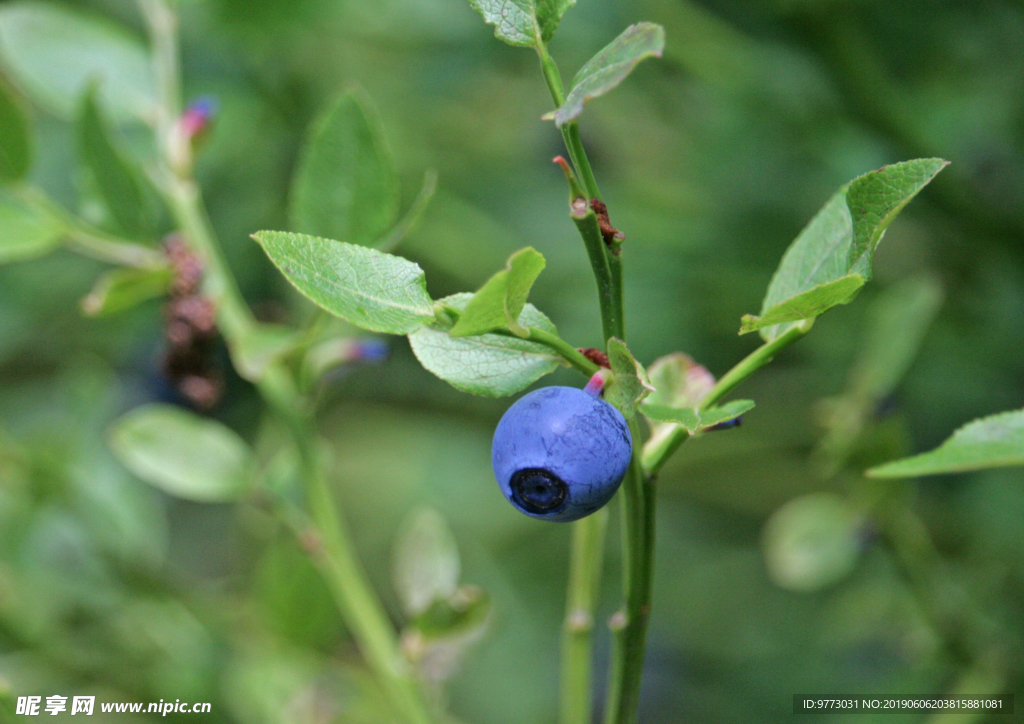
column 577, row 631
column 552, row 76
column 336, row 558
column 82, row 238
column 587, row 561
column 570, row 131
column 618, row 303
column 584, row 217
column 660, row 450
column 556, row 344
column 574, row 144
column 361, row 609
column 113, row 251
column 629, row 624
column 565, row 350
column 607, row 293
column 754, row 361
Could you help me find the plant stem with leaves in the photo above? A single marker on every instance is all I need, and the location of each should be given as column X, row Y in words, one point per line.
column 359, row 605
column 629, row 625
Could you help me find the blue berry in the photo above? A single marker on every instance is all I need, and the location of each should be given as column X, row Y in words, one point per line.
column 560, row 453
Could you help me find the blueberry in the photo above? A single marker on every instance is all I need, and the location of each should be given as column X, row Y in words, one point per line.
column 560, row 453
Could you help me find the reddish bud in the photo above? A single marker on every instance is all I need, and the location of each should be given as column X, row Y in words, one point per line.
column 596, row 384
column 198, row 117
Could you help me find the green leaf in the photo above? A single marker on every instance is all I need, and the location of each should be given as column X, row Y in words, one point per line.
column 345, row 186
column 15, row 138
column 117, row 181
column 694, row 419
column 55, row 53
column 121, row 289
column 609, row 67
column 812, row 542
column 489, row 364
column 366, row 287
column 181, row 453
column 806, row 305
column 629, row 383
column 523, row 22
column 991, row 442
column 28, row 228
column 549, row 15
column 875, row 199
column 832, row 256
column 426, row 562
column 500, row 301
column 260, row 347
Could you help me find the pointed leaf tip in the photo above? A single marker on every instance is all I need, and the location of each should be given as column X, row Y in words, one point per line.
column 345, row 185
column 831, row 258
column 500, row 301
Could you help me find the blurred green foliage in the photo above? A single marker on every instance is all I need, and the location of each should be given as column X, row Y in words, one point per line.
column 711, row 161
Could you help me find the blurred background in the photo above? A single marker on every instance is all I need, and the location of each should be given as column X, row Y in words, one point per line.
column 711, row 161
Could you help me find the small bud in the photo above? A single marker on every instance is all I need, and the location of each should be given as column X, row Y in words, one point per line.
column 334, row 353
column 566, row 169
column 596, row 384
column 575, row 190
column 198, row 117
column 370, row 349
